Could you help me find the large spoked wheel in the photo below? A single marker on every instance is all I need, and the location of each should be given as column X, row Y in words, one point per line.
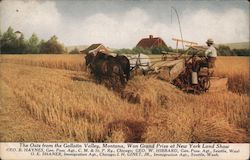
column 204, row 83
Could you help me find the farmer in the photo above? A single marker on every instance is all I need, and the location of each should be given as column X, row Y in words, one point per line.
column 209, row 60
column 210, row 54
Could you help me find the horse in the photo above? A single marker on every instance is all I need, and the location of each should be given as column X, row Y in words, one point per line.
column 104, row 66
column 88, row 60
column 123, row 60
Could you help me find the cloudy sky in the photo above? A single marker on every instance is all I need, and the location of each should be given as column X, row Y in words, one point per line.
column 122, row 23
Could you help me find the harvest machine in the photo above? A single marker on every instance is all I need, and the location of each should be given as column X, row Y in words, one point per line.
column 178, row 69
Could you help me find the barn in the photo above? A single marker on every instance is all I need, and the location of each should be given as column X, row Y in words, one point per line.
column 151, row 42
column 94, row 48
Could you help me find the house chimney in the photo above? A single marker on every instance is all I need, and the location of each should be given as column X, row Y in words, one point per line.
column 150, row 36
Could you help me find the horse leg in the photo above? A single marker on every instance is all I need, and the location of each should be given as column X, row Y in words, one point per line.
column 128, row 75
column 128, row 71
column 122, row 79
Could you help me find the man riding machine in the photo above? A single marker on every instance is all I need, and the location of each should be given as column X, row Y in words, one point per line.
column 202, row 67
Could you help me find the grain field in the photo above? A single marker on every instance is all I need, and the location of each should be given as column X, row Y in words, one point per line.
column 52, row 98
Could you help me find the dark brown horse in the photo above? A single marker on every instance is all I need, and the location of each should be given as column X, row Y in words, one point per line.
column 88, row 60
column 105, row 67
column 123, row 60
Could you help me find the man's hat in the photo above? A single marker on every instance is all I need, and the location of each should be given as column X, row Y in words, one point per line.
column 210, row 41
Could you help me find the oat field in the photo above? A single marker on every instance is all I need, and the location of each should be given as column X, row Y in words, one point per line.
column 52, row 98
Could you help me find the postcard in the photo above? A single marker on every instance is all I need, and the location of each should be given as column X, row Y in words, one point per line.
column 126, row 79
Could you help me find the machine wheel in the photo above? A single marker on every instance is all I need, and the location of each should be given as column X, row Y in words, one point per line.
column 204, row 83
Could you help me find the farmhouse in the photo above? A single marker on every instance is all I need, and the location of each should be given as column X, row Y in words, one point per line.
column 94, row 48
column 151, row 42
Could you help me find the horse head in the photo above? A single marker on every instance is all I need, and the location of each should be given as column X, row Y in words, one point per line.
column 89, row 58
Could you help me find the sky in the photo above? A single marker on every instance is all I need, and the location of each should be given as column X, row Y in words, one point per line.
column 122, row 23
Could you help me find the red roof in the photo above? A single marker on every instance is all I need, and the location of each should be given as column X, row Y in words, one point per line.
column 151, row 42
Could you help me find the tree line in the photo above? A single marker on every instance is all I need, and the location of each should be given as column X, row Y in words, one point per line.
column 137, row 50
column 222, row 50
column 11, row 43
column 226, row 51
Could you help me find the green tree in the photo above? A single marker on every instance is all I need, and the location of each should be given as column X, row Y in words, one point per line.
column 74, row 51
column 225, row 51
column 123, row 51
column 33, row 44
column 10, row 43
column 1, row 36
column 137, row 50
column 156, row 50
column 160, row 50
column 7, row 41
column 52, row 46
column 21, row 44
column 242, row 52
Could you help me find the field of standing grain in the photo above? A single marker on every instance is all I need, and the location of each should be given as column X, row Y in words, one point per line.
column 52, row 98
